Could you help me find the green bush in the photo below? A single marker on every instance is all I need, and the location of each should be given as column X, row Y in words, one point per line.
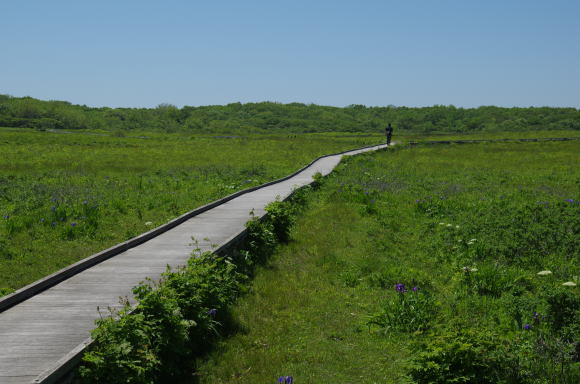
column 174, row 320
column 458, row 357
column 281, row 215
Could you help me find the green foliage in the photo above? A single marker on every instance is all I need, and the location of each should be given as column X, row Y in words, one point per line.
column 281, row 215
column 174, row 320
column 178, row 319
column 411, row 311
column 563, row 307
column 459, row 357
column 276, row 117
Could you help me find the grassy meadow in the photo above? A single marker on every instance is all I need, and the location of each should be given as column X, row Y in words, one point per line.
column 67, row 195
column 427, row 264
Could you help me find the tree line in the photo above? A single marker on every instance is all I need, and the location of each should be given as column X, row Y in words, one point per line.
column 270, row 117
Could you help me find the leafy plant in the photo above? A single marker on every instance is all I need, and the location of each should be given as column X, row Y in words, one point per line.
column 411, row 311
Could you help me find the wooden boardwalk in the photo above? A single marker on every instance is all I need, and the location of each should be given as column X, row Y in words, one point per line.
column 44, row 334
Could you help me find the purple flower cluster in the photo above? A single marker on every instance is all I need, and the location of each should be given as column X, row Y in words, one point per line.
column 286, row 379
column 401, row 288
column 527, row 327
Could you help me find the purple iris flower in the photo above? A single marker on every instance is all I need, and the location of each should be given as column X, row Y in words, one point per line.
column 212, row 312
column 415, row 289
column 527, row 327
column 281, row 379
column 289, row 379
column 73, row 224
column 400, row 288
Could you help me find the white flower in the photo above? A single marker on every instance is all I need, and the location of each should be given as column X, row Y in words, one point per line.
column 449, row 225
column 569, row 284
column 148, row 223
column 472, row 240
column 441, row 223
column 469, row 269
column 457, row 226
column 544, row 273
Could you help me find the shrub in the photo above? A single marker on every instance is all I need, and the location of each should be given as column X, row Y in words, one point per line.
column 281, row 215
column 458, row 357
column 174, row 320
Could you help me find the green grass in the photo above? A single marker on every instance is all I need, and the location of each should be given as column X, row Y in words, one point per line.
column 325, row 309
column 64, row 196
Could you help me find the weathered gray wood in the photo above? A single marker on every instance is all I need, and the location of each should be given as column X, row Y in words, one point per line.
column 45, row 334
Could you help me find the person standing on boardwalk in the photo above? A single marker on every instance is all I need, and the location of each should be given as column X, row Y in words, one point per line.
column 389, row 133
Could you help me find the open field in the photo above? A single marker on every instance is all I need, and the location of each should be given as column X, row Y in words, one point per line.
column 64, row 196
column 422, row 265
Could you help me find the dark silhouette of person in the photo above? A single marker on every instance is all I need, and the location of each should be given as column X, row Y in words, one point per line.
column 389, row 133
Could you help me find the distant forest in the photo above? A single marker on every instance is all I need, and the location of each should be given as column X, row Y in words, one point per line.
column 271, row 117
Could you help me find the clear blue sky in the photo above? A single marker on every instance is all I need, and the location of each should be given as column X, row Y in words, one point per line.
column 406, row 52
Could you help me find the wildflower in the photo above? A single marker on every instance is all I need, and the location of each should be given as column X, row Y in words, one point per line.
column 457, row 226
column 441, row 223
column 569, row 201
column 472, row 240
column 569, row 284
column 449, row 225
column 73, row 224
column 415, row 289
column 289, row 379
column 400, row 288
column 6, row 217
column 536, row 317
column 544, row 273
column 212, row 312
column 527, row 327
column 148, row 223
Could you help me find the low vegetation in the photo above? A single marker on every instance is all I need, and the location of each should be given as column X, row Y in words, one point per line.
column 66, row 196
column 422, row 265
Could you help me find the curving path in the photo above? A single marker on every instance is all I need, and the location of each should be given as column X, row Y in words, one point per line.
column 44, row 335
